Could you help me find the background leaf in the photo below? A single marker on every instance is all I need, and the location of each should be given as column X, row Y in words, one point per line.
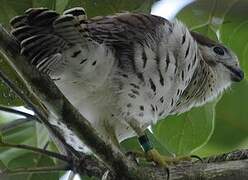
column 184, row 133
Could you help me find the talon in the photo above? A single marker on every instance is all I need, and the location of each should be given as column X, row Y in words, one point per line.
column 164, row 161
column 156, row 157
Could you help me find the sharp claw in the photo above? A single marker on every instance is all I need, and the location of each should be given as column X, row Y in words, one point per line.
column 163, row 161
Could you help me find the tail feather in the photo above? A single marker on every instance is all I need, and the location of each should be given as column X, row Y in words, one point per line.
column 18, row 21
column 44, row 35
column 43, row 19
column 34, row 44
column 68, row 27
column 78, row 12
column 49, row 66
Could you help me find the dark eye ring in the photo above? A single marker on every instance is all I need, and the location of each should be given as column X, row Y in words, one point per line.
column 218, row 50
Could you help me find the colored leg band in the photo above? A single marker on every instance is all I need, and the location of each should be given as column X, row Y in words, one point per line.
column 145, row 143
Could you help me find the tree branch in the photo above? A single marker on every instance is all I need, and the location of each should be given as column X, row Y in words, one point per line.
column 227, row 166
column 229, row 170
column 17, row 112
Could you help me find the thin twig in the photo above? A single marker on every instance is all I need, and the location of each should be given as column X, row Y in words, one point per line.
column 17, row 112
column 46, row 169
column 13, row 124
column 17, row 90
column 37, row 150
column 229, row 156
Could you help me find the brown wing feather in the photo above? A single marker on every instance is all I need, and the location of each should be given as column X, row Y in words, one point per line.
column 122, row 29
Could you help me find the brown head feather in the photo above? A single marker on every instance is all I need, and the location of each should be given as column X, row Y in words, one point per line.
column 203, row 40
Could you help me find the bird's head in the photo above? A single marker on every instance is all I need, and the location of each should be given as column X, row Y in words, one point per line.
column 220, row 58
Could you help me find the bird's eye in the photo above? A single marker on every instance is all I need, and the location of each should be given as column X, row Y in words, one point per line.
column 218, row 50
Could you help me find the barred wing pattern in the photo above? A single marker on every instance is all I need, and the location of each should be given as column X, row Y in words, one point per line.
column 44, row 34
column 123, row 29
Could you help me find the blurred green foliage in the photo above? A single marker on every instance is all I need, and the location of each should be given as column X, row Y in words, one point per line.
column 216, row 127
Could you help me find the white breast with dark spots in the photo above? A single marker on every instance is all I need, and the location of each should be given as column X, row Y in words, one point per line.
column 86, row 70
column 159, row 78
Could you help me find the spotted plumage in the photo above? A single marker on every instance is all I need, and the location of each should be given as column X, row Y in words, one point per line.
column 124, row 72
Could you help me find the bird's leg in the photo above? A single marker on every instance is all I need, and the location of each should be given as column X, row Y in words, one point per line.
column 150, row 153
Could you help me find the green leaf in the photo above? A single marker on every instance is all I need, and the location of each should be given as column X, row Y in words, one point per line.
column 205, row 12
column 22, row 161
column 156, row 143
column 32, row 160
column 31, row 134
column 231, row 122
column 7, row 96
column 44, row 161
column 61, row 5
column 9, row 9
column 42, row 135
column 2, row 167
column 131, row 144
column 187, row 132
column 51, row 4
column 24, row 134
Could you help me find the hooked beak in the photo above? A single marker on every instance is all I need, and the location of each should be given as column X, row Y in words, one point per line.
column 236, row 73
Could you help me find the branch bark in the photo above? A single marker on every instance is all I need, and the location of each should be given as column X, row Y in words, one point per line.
column 44, row 89
column 227, row 166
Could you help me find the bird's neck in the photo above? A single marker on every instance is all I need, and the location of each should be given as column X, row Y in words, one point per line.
column 200, row 89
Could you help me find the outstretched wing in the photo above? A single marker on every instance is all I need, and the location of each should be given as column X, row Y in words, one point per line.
column 125, row 28
column 44, row 34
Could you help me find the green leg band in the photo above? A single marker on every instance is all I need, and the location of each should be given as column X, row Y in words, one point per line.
column 145, row 143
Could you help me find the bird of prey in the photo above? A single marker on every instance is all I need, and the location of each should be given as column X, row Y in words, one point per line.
column 126, row 71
